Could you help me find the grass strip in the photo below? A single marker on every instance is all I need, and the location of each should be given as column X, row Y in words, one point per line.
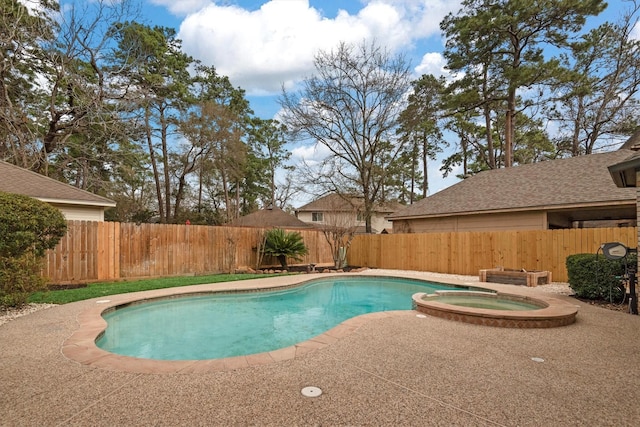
column 95, row 290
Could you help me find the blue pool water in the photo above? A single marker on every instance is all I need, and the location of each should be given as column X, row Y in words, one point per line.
column 224, row 325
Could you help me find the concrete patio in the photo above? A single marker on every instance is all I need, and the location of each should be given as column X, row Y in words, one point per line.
column 392, row 370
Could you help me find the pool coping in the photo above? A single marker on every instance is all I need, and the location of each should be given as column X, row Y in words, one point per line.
column 81, row 346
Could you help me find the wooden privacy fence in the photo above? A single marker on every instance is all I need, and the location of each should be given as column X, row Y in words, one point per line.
column 468, row 252
column 92, row 251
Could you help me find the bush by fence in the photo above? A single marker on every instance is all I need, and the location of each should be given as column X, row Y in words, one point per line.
column 593, row 276
column 28, row 227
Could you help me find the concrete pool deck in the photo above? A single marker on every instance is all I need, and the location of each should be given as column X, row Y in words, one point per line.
column 391, row 370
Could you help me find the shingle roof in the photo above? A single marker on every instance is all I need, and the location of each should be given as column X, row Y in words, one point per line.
column 271, row 217
column 16, row 180
column 554, row 184
column 341, row 203
column 632, row 141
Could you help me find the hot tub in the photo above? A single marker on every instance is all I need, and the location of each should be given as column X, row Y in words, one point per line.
column 497, row 309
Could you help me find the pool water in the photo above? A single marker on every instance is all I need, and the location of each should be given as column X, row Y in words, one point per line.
column 225, row 325
column 487, row 303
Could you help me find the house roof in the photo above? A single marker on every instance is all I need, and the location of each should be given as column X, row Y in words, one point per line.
column 341, row 203
column 16, row 180
column 582, row 181
column 632, row 142
column 270, row 217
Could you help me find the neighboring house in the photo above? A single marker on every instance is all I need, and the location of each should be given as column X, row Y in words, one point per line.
column 270, row 217
column 346, row 211
column 565, row 193
column 75, row 204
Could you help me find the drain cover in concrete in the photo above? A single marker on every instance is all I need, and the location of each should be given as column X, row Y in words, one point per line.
column 422, row 316
column 537, row 359
column 311, row 392
column 103, row 301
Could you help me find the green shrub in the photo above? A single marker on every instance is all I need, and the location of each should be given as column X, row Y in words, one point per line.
column 19, row 277
column 283, row 245
column 593, row 276
column 28, row 227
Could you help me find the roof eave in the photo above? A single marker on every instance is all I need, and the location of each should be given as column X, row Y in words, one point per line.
column 513, row 210
column 624, row 173
column 105, row 204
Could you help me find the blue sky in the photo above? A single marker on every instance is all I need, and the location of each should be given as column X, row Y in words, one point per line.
column 261, row 45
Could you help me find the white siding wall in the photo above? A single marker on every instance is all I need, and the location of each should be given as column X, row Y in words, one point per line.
column 378, row 222
column 306, row 217
column 81, row 213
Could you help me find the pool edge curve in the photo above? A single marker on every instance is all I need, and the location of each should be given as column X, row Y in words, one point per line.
column 81, row 346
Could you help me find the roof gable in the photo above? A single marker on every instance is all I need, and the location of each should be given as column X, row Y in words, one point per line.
column 633, row 141
column 550, row 184
column 341, row 203
column 16, row 180
column 271, row 217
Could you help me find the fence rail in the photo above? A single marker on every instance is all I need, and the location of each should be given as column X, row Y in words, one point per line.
column 102, row 251
column 468, row 252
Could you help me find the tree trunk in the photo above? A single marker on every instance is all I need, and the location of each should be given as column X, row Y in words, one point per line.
column 165, row 162
column 283, row 261
column 154, row 164
column 487, row 120
column 490, row 152
column 425, row 160
column 509, row 128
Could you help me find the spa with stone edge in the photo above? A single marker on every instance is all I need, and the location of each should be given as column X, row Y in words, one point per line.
column 496, row 309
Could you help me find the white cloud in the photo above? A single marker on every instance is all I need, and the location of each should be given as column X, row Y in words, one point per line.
column 432, row 63
column 32, row 5
column 310, row 154
column 635, row 33
column 262, row 49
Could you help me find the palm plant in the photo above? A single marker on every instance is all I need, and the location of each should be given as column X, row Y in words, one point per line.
column 282, row 245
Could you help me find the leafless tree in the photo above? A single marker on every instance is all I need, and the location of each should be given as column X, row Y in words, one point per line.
column 598, row 101
column 351, row 105
column 339, row 226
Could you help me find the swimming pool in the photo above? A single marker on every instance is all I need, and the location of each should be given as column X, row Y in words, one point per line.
column 218, row 325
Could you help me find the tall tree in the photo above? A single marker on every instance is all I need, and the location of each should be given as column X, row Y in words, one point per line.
column 419, row 127
column 267, row 140
column 23, row 32
column 230, row 161
column 478, row 97
column 158, row 81
column 81, row 94
column 213, row 135
column 351, row 106
column 508, row 36
column 57, row 85
column 130, row 184
column 597, row 99
column 470, row 141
